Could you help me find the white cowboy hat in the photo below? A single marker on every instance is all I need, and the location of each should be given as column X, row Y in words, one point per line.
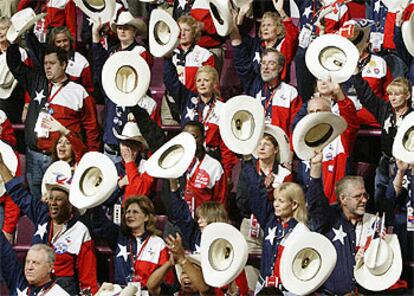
column 222, row 16
column 241, row 3
column 193, row 258
column 21, row 22
column 331, row 55
column 407, row 30
column 7, row 81
column 282, row 140
column 403, row 146
column 294, row 10
column 94, row 181
column 224, row 254
column 10, row 160
column 109, row 289
column 130, row 132
column 395, row 5
column 306, row 263
column 315, row 131
column 163, row 33
column 173, row 158
column 95, row 9
column 357, row 31
column 126, row 18
column 58, row 174
column 125, row 78
column 242, row 124
column 382, row 264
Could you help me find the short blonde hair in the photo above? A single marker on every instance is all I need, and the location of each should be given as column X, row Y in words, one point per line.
column 276, row 18
column 402, row 83
column 213, row 74
column 294, row 193
column 5, row 20
column 192, row 23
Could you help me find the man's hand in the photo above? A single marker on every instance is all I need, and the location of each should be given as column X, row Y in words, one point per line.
column 316, row 165
column 56, row 126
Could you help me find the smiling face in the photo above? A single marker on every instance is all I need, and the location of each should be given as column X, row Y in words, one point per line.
column 59, row 207
column 134, row 217
column 37, row 268
column 269, row 67
column 64, row 149
column 354, row 199
column 62, row 41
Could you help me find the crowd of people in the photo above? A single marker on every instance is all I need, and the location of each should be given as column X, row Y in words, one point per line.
column 320, row 71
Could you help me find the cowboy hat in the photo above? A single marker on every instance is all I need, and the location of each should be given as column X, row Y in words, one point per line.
column 222, row 16
column 241, row 3
column 407, row 30
column 331, row 55
column 21, row 22
column 7, row 81
column 315, row 131
column 58, row 174
column 130, row 132
column 94, row 181
column 282, row 141
column 224, row 254
column 163, row 33
column 126, row 18
column 242, row 124
column 306, row 262
column 125, row 78
column 382, row 264
column 193, row 258
column 357, row 31
column 395, row 5
column 10, row 160
column 173, row 158
column 403, row 146
column 95, row 9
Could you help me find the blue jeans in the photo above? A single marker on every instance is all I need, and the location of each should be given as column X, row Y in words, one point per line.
column 36, row 166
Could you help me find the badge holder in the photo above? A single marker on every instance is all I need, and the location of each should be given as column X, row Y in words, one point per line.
column 305, row 36
column 117, row 214
column 410, row 216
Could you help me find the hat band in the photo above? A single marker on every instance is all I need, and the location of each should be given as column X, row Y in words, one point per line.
column 313, row 138
column 408, row 139
column 162, row 33
column 95, row 7
column 216, row 14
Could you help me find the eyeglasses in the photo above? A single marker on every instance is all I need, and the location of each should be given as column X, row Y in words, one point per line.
column 360, row 196
column 268, row 64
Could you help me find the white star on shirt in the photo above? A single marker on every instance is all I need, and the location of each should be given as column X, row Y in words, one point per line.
column 387, row 125
column 339, row 234
column 197, row 249
column 181, row 4
column 271, row 235
column 377, row 6
column 307, row 12
column 259, row 96
column 39, row 96
column 21, row 293
column 41, row 230
column 190, row 113
column 306, row 163
column 257, row 57
column 122, row 252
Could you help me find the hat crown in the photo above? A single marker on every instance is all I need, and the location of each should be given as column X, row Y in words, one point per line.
column 306, row 264
column 162, row 32
column 408, row 139
column 60, row 180
column 21, row 18
column 243, row 125
column 131, row 130
column 221, row 254
column 126, row 79
column 379, row 257
column 124, row 18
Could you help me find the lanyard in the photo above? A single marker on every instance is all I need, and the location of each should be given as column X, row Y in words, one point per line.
column 268, row 101
column 49, row 97
column 202, row 119
column 134, row 259
column 42, row 291
column 194, row 175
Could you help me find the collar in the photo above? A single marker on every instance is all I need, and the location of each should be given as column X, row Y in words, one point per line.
column 129, row 48
column 34, row 290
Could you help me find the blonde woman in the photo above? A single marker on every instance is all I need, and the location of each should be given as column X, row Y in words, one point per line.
column 204, row 106
column 287, row 214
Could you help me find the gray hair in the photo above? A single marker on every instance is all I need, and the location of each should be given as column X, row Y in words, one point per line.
column 48, row 250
